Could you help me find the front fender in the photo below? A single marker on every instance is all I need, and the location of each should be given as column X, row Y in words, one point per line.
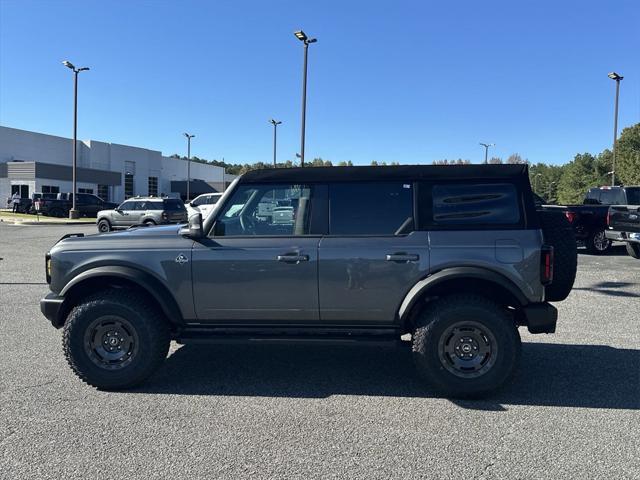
column 153, row 286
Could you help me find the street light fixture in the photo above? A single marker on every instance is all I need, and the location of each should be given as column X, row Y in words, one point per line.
column 300, row 35
column 189, row 137
column 275, row 124
column 617, row 78
column 73, row 213
column 486, row 149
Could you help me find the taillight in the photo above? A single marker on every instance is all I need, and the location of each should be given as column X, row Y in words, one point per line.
column 571, row 216
column 546, row 264
column 608, row 218
column 164, row 215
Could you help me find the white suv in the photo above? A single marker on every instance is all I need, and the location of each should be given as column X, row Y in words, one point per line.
column 203, row 204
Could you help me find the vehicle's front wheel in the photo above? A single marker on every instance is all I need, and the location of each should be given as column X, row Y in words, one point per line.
column 115, row 339
column 466, row 345
column 598, row 243
column 150, row 223
column 104, row 226
column 633, row 249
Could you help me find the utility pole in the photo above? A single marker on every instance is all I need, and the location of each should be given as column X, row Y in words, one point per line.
column 486, row 149
column 73, row 213
column 300, row 35
column 275, row 124
column 617, row 78
column 189, row 137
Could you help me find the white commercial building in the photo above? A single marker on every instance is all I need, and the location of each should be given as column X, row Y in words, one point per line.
column 35, row 162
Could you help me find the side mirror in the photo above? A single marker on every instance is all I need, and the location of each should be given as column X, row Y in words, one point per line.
column 119, row 210
column 194, row 227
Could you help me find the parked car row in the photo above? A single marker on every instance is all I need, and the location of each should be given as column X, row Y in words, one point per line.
column 591, row 221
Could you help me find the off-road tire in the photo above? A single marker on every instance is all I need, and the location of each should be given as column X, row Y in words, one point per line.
column 432, row 327
column 104, row 226
column 151, row 328
column 595, row 245
column 633, row 249
column 558, row 233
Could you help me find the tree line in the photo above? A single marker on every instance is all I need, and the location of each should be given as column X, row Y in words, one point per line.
column 562, row 184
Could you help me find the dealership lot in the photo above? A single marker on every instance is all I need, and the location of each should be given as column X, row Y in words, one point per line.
column 292, row 411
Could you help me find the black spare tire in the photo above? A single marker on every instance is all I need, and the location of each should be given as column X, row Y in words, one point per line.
column 558, row 233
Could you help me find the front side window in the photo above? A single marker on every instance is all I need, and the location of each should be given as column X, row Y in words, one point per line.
column 372, row 208
column 475, row 204
column 266, row 210
column 126, row 206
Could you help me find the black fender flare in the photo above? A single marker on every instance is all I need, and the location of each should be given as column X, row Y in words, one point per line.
column 477, row 273
column 150, row 284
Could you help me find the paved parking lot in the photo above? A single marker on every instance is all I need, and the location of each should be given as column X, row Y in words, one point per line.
column 284, row 411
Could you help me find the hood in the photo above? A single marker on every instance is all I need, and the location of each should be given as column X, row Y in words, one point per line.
column 165, row 236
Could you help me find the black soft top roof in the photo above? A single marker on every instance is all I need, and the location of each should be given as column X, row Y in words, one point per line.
column 380, row 173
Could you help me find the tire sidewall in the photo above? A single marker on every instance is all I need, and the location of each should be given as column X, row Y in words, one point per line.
column 507, row 355
column 76, row 327
column 106, row 223
column 592, row 245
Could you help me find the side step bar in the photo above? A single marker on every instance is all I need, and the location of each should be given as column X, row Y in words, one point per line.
column 286, row 336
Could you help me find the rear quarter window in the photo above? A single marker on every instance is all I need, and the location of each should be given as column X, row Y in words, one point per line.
column 173, row 204
column 475, row 204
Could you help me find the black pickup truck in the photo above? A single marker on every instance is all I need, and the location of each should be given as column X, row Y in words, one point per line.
column 589, row 220
column 624, row 225
column 87, row 204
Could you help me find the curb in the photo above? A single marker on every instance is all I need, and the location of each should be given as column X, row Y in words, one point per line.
column 45, row 223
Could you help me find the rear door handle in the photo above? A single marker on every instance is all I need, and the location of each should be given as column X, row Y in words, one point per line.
column 293, row 258
column 402, row 257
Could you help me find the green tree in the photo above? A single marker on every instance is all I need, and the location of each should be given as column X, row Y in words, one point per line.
column 584, row 172
column 628, row 156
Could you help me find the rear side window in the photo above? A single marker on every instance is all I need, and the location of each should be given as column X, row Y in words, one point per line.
column 154, row 205
column 383, row 208
column 633, row 196
column 475, row 204
column 173, row 204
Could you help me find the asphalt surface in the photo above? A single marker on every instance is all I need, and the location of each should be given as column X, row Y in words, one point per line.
column 311, row 412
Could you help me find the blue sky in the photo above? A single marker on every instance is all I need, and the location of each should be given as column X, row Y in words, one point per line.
column 406, row 81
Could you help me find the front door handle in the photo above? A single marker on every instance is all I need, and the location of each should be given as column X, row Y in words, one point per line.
column 293, row 258
column 402, row 257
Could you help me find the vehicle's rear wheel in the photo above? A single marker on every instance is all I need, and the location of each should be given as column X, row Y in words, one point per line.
column 104, row 226
column 598, row 243
column 115, row 339
column 633, row 249
column 150, row 223
column 558, row 233
column 466, row 345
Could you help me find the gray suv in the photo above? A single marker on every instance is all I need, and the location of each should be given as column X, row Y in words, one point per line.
column 147, row 211
column 456, row 256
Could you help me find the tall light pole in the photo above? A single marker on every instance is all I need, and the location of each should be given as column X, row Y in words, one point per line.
column 617, row 78
column 300, row 35
column 275, row 124
column 486, row 149
column 73, row 213
column 189, row 137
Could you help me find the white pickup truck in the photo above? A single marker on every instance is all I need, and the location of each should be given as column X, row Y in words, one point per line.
column 203, row 204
